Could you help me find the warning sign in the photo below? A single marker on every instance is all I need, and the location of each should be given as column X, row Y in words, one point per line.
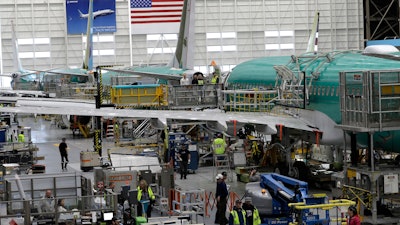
column 391, row 184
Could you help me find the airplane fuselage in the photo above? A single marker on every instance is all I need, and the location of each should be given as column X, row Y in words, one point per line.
column 324, row 96
column 103, row 12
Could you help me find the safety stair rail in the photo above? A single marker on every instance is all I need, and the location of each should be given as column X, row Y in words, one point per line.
column 290, row 87
column 293, row 76
column 222, row 164
column 143, row 126
column 140, row 134
column 362, row 196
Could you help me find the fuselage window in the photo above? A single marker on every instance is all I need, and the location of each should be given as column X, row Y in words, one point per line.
column 353, row 91
column 358, row 92
column 319, row 91
column 327, row 90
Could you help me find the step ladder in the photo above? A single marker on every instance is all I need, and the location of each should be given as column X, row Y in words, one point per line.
column 221, row 164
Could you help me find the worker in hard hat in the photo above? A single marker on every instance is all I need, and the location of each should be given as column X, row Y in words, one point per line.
column 215, row 78
column 221, row 196
column 237, row 215
column 252, row 215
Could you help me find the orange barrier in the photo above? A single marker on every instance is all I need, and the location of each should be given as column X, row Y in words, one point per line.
column 210, row 196
column 170, row 200
column 233, row 196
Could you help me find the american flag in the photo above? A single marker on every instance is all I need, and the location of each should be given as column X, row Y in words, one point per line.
column 156, row 11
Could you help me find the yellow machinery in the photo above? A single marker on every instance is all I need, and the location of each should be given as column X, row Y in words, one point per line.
column 139, row 95
column 171, row 97
column 333, row 212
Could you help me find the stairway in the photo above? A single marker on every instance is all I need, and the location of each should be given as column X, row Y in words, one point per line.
column 110, row 131
column 290, row 87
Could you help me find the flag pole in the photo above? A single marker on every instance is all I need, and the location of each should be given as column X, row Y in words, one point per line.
column 130, row 32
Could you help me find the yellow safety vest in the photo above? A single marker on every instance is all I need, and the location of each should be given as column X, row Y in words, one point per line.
column 214, row 80
column 256, row 217
column 236, row 217
column 219, row 146
column 151, row 195
column 21, row 138
column 200, row 82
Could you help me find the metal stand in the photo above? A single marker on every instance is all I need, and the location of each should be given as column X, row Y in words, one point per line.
column 189, row 202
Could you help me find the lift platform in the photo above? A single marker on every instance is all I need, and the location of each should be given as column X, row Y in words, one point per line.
column 370, row 104
column 330, row 213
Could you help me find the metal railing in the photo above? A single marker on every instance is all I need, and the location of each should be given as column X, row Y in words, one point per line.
column 189, row 96
column 252, row 100
column 78, row 207
column 370, row 99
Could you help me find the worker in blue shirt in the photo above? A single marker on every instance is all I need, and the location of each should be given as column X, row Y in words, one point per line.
column 222, row 197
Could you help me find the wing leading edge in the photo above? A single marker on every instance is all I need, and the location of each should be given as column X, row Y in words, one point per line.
column 265, row 123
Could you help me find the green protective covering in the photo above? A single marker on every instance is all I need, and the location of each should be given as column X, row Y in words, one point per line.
column 260, row 72
column 257, row 71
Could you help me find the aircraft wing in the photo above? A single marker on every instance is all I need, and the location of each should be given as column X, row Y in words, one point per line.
column 27, row 73
column 218, row 119
column 52, row 72
column 169, row 76
column 11, row 94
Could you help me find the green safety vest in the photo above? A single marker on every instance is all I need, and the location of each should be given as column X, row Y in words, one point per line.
column 21, row 138
column 256, row 217
column 200, row 82
column 214, row 80
column 151, row 195
column 236, row 217
column 219, row 146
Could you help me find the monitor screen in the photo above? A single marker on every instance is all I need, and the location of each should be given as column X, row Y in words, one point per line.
column 133, row 197
column 124, row 191
column 107, row 216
